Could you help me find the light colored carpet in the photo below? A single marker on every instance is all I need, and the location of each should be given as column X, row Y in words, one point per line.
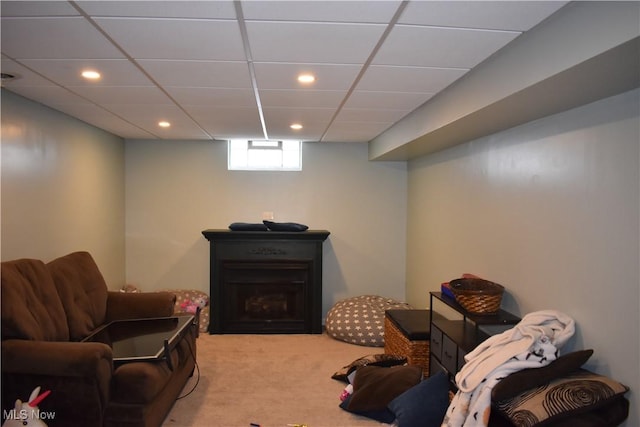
column 270, row 380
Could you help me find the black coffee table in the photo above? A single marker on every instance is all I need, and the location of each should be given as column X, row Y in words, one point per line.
column 136, row 340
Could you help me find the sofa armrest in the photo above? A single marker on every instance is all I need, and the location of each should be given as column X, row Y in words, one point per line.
column 122, row 305
column 54, row 358
column 79, row 374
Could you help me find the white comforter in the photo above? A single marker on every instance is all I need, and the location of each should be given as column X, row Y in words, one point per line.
column 533, row 342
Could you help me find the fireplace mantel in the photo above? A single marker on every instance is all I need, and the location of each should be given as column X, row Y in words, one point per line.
column 265, row 281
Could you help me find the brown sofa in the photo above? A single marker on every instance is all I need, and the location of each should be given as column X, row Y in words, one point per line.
column 47, row 309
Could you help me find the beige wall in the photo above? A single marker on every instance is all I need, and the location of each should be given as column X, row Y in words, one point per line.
column 176, row 189
column 62, row 188
column 550, row 210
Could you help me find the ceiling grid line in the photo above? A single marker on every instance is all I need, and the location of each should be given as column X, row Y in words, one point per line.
column 252, row 71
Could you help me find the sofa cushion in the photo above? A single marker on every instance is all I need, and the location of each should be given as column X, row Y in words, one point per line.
column 82, row 290
column 140, row 382
column 31, row 307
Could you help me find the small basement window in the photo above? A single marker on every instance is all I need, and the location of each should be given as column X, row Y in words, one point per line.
column 264, row 155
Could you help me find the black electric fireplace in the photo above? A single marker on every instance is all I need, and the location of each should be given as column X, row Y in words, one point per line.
column 265, row 281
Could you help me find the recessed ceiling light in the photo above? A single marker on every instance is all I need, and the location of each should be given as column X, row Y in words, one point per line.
column 306, row 78
column 164, row 124
column 296, row 126
column 91, row 75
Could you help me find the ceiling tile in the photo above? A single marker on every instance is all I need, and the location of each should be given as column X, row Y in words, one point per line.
column 37, row 8
column 367, row 115
column 297, row 115
column 181, row 131
column 185, row 39
column 497, row 15
column 312, row 131
column 302, row 98
column 67, row 71
column 219, row 97
column 24, row 76
column 48, row 95
column 102, row 119
column 139, row 95
column 440, row 47
column 354, row 131
column 340, row 11
column 390, row 100
column 147, row 116
column 228, row 123
column 218, row 9
column 314, row 120
column 312, row 42
column 54, row 38
column 271, row 75
column 408, row 79
column 219, row 74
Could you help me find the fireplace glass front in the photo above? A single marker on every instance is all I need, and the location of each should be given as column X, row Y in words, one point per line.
column 265, row 297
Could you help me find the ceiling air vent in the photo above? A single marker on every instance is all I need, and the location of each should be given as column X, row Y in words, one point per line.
column 6, row 77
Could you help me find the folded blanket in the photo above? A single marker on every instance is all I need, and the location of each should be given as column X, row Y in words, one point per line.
column 533, row 342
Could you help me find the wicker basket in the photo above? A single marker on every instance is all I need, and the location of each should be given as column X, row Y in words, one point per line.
column 395, row 342
column 478, row 296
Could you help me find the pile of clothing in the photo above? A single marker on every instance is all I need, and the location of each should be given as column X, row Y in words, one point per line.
column 534, row 342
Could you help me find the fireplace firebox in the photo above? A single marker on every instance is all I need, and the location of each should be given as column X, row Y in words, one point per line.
column 265, row 281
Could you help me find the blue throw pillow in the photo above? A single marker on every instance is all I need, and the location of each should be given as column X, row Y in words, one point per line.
column 285, row 226
column 247, row 226
column 424, row 404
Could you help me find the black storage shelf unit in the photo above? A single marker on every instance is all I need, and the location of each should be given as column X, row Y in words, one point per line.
column 455, row 335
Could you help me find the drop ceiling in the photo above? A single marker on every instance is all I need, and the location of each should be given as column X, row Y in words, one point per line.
column 223, row 69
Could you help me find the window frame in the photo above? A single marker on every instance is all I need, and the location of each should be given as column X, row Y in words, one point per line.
column 240, row 152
